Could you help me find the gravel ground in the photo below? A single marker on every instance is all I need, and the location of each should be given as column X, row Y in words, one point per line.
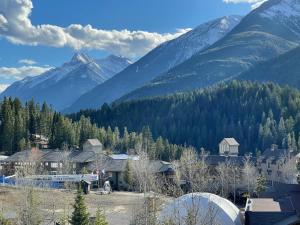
column 118, row 206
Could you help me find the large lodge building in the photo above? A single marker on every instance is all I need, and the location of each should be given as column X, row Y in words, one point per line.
column 91, row 159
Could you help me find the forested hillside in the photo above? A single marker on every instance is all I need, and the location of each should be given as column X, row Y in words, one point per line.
column 265, row 33
column 18, row 122
column 284, row 69
column 257, row 115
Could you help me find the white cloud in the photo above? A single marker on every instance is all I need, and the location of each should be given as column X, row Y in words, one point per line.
column 254, row 3
column 16, row 26
column 3, row 87
column 27, row 61
column 18, row 73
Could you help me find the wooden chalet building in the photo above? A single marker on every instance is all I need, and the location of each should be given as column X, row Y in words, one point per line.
column 91, row 159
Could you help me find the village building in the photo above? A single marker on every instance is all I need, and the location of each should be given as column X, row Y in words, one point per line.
column 93, row 145
column 228, row 153
column 91, row 159
column 273, row 162
column 113, row 169
column 2, row 158
column 280, row 205
column 229, row 146
column 39, row 141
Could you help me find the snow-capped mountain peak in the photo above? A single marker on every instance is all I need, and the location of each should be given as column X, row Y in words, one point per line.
column 228, row 22
column 283, row 9
column 200, row 38
column 156, row 62
column 63, row 85
column 80, row 58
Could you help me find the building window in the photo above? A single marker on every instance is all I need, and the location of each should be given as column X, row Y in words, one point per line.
column 54, row 165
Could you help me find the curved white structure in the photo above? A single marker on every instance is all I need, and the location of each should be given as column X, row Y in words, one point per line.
column 205, row 208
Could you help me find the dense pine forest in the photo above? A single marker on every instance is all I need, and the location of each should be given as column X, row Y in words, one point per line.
column 18, row 122
column 257, row 115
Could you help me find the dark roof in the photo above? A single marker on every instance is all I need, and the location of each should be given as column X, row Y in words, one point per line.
column 280, row 190
column 283, row 204
column 275, row 153
column 118, row 165
column 76, row 156
column 26, row 156
column 84, row 157
column 54, row 156
column 269, row 218
column 159, row 166
column 214, row 160
column 109, row 165
column 50, row 155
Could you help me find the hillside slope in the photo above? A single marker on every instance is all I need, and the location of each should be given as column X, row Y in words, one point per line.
column 270, row 30
column 284, row 69
column 156, row 62
column 257, row 115
column 61, row 86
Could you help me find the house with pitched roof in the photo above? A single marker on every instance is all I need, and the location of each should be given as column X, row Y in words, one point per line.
column 274, row 162
column 229, row 146
column 279, row 205
column 91, row 158
column 93, row 145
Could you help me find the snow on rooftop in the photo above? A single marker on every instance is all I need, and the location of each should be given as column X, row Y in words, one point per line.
column 3, row 157
column 124, row 157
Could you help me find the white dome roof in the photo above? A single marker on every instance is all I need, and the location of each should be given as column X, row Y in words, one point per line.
column 206, row 207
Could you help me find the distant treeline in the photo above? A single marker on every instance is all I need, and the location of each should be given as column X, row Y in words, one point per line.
column 18, row 123
column 257, row 115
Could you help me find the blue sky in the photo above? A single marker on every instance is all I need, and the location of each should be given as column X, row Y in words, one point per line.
column 48, row 32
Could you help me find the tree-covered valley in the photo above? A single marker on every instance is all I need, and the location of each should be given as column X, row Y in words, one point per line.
column 19, row 122
column 257, row 115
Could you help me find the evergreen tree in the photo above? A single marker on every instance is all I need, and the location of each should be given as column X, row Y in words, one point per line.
column 260, row 184
column 128, row 175
column 4, row 221
column 80, row 216
column 100, row 218
column 257, row 115
column 7, row 127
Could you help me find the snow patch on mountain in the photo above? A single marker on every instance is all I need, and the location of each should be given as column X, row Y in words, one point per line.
column 73, row 78
column 284, row 9
column 200, row 38
column 103, row 68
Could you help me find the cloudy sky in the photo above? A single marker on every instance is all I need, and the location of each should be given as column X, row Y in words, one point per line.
column 36, row 35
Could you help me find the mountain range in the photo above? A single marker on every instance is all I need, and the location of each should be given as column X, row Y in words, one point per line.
column 156, row 62
column 262, row 46
column 284, row 70
column 61, row 86
column 265, row 33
